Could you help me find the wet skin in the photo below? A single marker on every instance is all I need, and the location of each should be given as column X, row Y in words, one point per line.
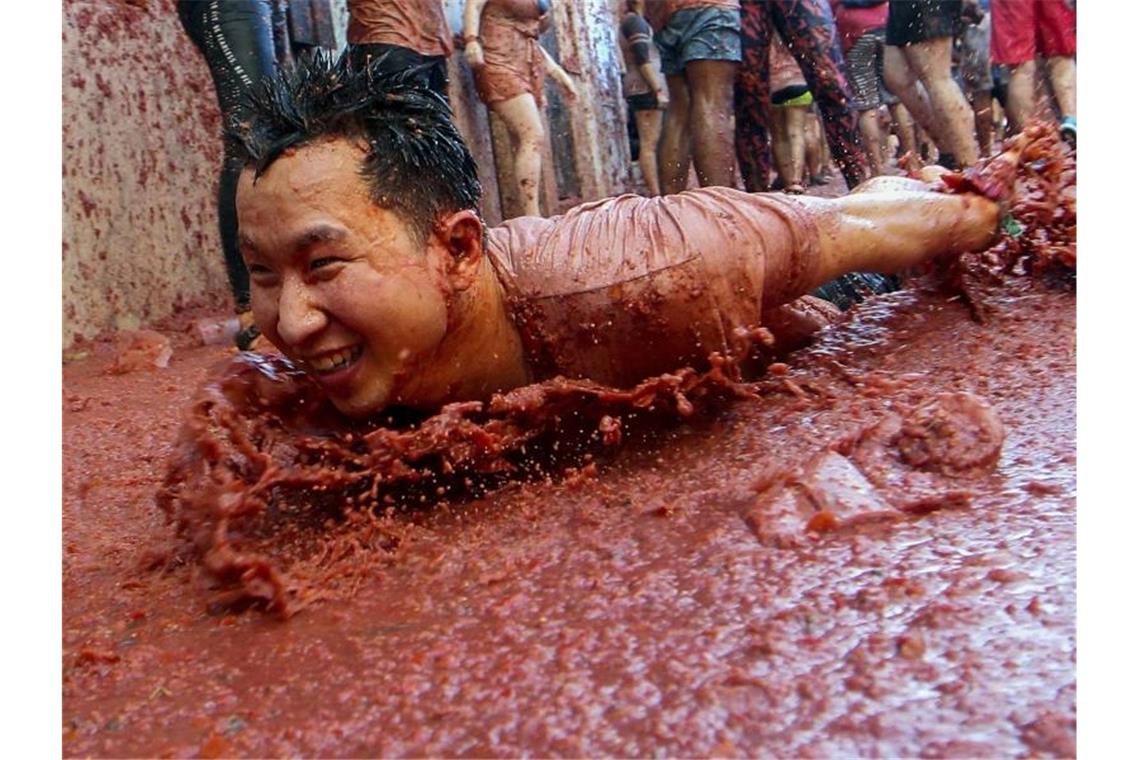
column 345, row 288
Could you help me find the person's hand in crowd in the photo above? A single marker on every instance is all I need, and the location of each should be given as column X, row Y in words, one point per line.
column 473, row 52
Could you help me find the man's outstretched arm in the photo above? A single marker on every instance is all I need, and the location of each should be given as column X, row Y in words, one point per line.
column 890, row 224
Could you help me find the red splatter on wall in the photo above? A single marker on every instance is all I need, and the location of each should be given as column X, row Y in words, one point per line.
column 140, row 162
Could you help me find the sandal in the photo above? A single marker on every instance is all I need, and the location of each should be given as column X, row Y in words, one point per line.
column 794, row 189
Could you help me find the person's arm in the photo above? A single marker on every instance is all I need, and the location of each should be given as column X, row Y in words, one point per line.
column 569, row 88
column 653, row 77
column 639, row 34
column 472, row 47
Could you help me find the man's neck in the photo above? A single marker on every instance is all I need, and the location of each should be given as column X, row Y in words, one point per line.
column 483, row 353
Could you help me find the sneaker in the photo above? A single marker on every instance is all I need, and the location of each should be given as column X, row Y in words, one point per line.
column 1069, row 130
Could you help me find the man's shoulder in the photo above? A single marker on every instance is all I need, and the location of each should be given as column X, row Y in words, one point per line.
column 612, row 241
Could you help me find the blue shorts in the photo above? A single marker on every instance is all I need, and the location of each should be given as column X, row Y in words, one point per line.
column 711, row 33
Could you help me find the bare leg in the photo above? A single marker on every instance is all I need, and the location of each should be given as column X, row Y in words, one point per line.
column 648, row 134
column 712, row 120
column 883, row 120
column 524, row 124
column 904, row 129
column 1063, row 76
column 674, row 151
column 930, row 61
column 927, row 147
column 824, row 146
column 788, row 145
column 794, row 126
column 982, row 103
column 904, row 85
column 872, row 139
column 781, row 150
column 1022, row 97
column 999, row 123
column 813, row 154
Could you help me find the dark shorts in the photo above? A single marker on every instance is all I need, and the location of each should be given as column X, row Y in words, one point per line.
column 432, row 69
column 646, row 101
column 912, row 21
column 710, row 33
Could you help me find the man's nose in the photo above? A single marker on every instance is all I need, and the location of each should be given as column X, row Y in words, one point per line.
column 299, row 315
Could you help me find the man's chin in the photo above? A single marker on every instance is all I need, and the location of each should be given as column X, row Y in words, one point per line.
column 360, row 404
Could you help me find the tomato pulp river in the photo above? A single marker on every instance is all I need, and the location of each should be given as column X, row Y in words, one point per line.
column 780, row 575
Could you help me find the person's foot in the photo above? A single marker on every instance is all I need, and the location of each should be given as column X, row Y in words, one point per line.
column 1069, row 130
column 910, row 163
column 794, row 189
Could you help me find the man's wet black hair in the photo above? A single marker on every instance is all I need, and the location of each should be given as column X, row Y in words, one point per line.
column 417, row 164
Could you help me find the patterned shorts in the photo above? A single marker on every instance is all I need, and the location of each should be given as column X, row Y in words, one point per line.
column 865, row 72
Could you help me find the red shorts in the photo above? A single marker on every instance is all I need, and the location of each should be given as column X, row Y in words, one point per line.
column 1024, row 29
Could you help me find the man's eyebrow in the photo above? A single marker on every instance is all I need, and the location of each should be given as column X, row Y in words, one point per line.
column 321, row 233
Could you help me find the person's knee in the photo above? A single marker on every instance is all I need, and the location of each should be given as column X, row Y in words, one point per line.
column 935, row 77
column 529, row 135
column 1060, row 65
column 712, row 106
column 897, row 75
column 1023, row 71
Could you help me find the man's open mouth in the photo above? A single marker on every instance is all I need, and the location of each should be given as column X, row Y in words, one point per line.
column 335, row 361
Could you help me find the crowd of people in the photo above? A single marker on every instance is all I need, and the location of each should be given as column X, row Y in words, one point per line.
column 877, row 86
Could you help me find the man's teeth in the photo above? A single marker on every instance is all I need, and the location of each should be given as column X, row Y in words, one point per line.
column 330, row 362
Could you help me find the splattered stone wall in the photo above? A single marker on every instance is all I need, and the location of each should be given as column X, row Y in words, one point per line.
column 141, row 152
column 587, row 43
column 140, row 159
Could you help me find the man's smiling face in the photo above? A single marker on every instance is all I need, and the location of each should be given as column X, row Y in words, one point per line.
column 339, row 284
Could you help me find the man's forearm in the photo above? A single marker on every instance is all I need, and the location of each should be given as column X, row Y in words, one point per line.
column 652, row 78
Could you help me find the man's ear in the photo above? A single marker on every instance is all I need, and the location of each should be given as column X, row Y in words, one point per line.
column 462, row 235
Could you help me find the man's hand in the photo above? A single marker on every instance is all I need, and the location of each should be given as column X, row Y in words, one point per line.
column 662, row 98
column 473, row 52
